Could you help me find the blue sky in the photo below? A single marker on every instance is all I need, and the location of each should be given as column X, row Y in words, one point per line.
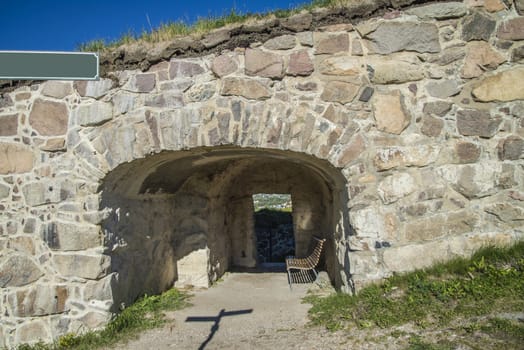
column 62, row 25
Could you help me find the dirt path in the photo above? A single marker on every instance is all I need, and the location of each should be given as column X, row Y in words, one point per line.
column 258, row 312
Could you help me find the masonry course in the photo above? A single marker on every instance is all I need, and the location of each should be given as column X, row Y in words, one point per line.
column 398, row 133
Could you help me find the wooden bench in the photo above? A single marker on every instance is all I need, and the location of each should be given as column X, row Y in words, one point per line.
column 307, row 263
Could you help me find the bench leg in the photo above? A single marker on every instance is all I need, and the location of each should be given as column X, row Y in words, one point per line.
column 316, row 275
column 289, row 280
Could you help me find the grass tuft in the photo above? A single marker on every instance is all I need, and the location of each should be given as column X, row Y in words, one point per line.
column 146, row 313
column 491, row 281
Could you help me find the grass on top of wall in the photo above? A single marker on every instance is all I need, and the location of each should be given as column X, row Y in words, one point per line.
column 146, row 313
column 170, row 30
column 466, row 295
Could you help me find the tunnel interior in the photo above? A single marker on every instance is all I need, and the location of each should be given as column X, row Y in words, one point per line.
column 186, row 217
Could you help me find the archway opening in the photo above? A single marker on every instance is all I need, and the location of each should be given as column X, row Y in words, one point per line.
column 274, row 232
column 186, row 217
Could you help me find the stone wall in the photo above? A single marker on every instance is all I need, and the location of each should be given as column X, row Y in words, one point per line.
column 399, row 136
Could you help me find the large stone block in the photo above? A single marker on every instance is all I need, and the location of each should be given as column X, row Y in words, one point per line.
column 440, row 225
column 193, row 269
column 439, row 11
column 467, row 152
column 39, row 300
column 9, row 125
column 480, row 56
column 253, row 89
column 283, row 42
column 93, row 88
column 477, row 27
column 38, row 193
column 224, row 65
column 395, row 69
column 393, row 157
column 15, row 158
column 339, row 91
column 353, row 150
column 414, row 256
column 32, row 332
column 68, row 236
column 92, row 114
column 57, row 89
column 476, row 180
column 82, row 265
column 300, row 64
column 477, row 123
column 512, row 29
column 328, row 43
column 49, row 118
column 183, row 69
column 264, row 64
column 511, row 148
column 444, row 88
column 389, row 112
column 373, row 222
column 508, row 213
column 392, row 37
column 4, row 191
column 395, row 187
column 503, row 86
column 18, row 270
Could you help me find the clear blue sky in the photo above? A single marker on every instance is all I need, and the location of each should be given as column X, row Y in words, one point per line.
column 62, row 25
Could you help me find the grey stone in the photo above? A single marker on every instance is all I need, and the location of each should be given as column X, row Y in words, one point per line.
column 511, row 148
column 201, row 92
column 57, row 89
column 437, row 108
column 166, row 99
column 444, row 89
column 305, row 38
column 477, row 123
column 467, row 152
column 396, row 70
column 264, row 64
column 143, row 82
column 31, row 332
column 393, row 157
column 83, row 266
column 9, row 125
column 477, row 27
column 18, row 270
column 449, row 55
column 183, row 69
column 68, row 236
column 248, row 88
column 92, row 114
column 507, row 213
column 439, row 11
column 404, row 36
column 519, row 5
column 431, row 126
column 5, row 101
column 366, row 94
column 283, row 42
column 38, row 193
column 517, row 54
column 49, row 118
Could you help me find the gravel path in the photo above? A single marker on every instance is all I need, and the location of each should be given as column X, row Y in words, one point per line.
column 258, row 312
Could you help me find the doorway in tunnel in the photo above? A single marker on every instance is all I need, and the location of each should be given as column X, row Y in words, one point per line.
column 273, row 220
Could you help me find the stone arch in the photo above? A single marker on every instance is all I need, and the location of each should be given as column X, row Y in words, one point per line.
column 194, row 207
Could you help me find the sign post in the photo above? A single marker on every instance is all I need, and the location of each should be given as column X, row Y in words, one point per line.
column 47, row 65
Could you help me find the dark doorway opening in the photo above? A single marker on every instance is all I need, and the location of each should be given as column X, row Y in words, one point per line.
column 275, row 237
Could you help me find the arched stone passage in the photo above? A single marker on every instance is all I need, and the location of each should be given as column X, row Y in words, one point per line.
column 187, row 216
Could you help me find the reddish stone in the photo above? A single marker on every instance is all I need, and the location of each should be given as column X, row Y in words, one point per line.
column 223, row 65
column 511, row 148
column 331, row 43
column 431, row 126
column 512, row 29
column 181, row 69
column 264, row 64
column 300, row 64
column 49, row 118
column 9, row 125
column 145, row 82
column 467, row 152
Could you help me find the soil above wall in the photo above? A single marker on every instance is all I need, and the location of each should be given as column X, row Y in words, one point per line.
column 142, row 55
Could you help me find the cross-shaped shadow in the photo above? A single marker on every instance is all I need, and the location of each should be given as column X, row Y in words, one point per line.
column 216, row 319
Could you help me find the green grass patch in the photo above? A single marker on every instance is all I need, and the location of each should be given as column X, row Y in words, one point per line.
column 146, row 313
column 492, row 280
